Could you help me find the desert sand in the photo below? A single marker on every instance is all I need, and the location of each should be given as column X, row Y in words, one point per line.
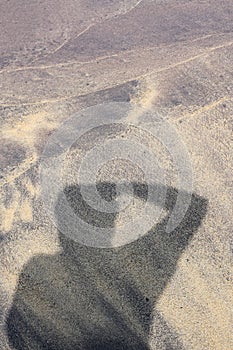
column 174, row 58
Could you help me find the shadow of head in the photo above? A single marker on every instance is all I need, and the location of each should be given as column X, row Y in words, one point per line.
column 164, row 197
column 92, row 298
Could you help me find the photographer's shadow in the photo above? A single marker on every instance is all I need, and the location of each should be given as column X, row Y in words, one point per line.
column 91, row 298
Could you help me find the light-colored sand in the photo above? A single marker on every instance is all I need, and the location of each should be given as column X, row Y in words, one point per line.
column 172, row 57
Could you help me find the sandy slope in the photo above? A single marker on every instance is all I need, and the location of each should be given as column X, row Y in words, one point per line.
column 171, row 57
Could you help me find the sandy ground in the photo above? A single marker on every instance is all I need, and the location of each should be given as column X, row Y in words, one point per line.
column 160, row 292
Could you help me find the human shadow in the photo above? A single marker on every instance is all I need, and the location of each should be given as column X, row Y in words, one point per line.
column 92, row 298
